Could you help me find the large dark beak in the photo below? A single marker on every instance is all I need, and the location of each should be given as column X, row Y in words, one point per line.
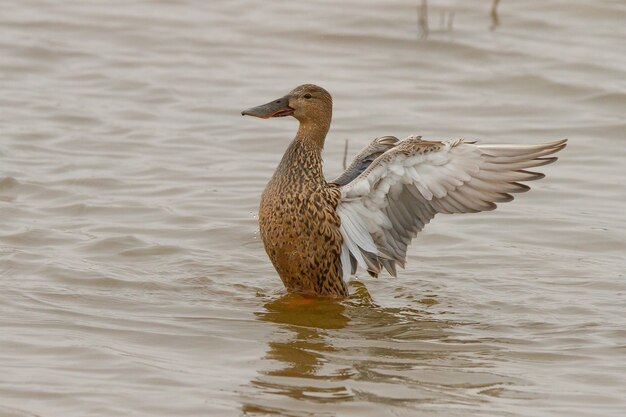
column 276, row 108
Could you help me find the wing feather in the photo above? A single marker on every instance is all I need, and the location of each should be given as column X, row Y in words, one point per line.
column 364, row 158
column 391, row 200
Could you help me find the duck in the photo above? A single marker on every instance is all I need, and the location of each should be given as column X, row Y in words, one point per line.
column 318, row 233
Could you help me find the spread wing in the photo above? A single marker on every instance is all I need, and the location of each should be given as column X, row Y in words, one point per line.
column 367, row 155
column 385, row 206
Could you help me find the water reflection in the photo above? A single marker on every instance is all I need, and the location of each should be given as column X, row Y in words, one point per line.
column 328, row 352
column 306, row 320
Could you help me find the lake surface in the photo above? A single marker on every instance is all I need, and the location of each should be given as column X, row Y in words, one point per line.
column 132, row 278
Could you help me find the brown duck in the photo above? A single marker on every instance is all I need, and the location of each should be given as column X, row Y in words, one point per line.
column 317, row 233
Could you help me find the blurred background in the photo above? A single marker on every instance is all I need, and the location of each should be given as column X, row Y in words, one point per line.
column 132, row 278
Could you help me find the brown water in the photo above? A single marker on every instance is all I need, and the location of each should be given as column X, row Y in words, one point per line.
column 133, row 282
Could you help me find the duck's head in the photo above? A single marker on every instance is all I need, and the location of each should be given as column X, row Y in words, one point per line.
column 307, row 102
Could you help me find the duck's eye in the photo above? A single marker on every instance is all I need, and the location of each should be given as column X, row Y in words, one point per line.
column 307, row 96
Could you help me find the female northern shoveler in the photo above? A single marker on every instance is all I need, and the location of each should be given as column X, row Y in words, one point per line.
column 316, row 232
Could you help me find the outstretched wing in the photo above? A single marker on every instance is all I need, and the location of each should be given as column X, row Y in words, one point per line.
column 385, row 207
column 363, row 160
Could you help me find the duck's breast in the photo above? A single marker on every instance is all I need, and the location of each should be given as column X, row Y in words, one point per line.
column 300, row 230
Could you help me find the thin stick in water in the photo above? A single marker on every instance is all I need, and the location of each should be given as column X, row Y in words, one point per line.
column 345, row 154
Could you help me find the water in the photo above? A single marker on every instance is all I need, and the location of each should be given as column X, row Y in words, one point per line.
column 133, row 281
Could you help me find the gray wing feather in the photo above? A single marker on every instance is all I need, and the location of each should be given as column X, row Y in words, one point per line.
column 363, row 160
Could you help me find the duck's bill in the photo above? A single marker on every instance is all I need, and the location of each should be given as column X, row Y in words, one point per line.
column 276, row 108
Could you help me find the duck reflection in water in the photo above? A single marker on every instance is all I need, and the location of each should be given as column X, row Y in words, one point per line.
column 328, row 351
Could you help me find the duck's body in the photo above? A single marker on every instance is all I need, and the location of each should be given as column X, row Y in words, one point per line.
column 300, row 226
column 316, row 233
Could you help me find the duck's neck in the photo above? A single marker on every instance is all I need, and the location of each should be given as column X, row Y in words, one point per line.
column 313, row 132
column 303, row 159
